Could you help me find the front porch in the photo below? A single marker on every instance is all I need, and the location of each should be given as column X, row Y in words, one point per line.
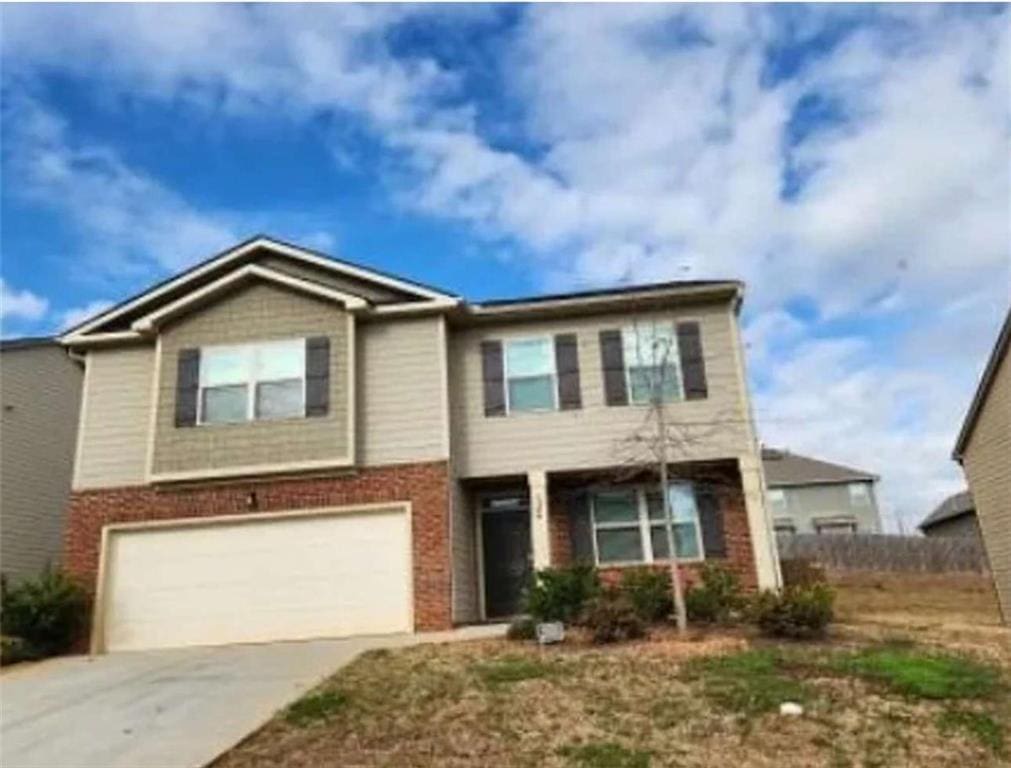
column 508, row 527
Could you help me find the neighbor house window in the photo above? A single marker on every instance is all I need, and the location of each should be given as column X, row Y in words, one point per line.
column 785, row 526
column 630, row 526
column 247, row 382
column 777, row 500
column 530, row 375
column 835, row 526
column 651, row 360
column 860, row 495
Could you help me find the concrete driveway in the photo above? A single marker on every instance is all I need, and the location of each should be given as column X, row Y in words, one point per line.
column 177, row 708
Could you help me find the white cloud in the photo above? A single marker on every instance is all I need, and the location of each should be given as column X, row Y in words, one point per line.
column 127, row 221
column 662, row 145
column 21, row 304
column 74, row 316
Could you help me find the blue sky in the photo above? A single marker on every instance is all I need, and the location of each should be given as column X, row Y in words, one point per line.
column 851, row 163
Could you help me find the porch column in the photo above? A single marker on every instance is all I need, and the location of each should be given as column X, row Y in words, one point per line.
column 763, row 542
column 540, row 539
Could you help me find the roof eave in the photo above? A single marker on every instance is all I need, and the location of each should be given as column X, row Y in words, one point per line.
column 983, row 389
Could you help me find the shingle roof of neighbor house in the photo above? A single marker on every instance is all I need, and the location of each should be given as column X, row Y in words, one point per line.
column 785, row 468
column 956, row 505
column 989, row 374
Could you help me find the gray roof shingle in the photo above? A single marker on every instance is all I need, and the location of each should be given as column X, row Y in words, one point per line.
column 785, row 468
column 956, row 505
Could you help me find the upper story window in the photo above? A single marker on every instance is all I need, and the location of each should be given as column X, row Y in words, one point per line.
column 630, row 526
column 651, row 360
column 248, row 382
column 530, row 375
column 860, row 495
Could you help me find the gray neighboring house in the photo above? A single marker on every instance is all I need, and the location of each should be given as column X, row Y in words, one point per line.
column 808, row 495
column 40, row 393
column 955, row 516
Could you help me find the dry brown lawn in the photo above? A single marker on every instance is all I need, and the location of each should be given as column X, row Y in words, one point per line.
column 870, row 697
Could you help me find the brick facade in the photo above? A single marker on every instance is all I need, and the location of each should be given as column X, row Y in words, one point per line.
column 425, row 485
column 726, row 483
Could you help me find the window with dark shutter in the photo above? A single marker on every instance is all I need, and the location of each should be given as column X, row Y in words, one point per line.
column 580, row 527
column 567, row 368
column 612, row 360
column 693, row 365
column 187, row 387
column 714, row 542
column 492, row 378
column 317, row 376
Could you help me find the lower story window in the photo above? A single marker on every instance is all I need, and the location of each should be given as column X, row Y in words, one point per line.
column 630, row 525
column 835, row 526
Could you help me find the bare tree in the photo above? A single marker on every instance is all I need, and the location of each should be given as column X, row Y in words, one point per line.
column 661, row 439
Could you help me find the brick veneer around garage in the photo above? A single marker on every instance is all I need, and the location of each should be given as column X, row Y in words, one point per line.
column 425, row 485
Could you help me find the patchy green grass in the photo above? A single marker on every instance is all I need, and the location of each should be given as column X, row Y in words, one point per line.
column 605, row 755
column 749, row 683
column 980, row 725
column 922, row 674
column 511, row 669
column 315, row 707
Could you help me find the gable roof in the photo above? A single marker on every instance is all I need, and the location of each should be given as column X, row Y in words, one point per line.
column 983, row 389
column 783, row 468
column 956, row 505
column 120, row 316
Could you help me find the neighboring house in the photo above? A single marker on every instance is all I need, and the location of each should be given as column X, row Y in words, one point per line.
column 277, row 444
column 983, row 449
column 808, row 495
column 40, row 393
column 953, row 517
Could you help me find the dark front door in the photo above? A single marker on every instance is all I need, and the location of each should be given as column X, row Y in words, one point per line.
column 505, row 537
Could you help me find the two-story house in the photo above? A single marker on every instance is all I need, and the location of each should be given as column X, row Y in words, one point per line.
column 276, row 444
column 808, row 495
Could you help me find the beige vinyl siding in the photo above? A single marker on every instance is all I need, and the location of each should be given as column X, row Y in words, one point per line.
column 987, row 464
column 259, row 312
column 466, row 601
column 116, row 415
column 595, row 435
column 401, row 405
column 378, row 294
column 41, row 393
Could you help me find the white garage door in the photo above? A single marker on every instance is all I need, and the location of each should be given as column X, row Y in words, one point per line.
column 283, row 578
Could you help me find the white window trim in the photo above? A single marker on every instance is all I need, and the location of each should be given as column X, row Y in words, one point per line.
column 250, row 383
column 644, row 524
column 673, row 360
column 554, row 373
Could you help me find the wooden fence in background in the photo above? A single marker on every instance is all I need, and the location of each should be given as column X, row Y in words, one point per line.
column 881, row 552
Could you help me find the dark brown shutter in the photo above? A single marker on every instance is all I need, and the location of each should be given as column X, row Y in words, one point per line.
column 714, row 542
column 612, row 360
column 317, row 376
column 567, row 367
column 693, row 365
column 580, row 527
column 492, row 375
column 187, row 387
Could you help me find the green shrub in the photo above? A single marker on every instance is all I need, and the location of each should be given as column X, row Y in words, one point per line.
column 15, row 649
column 799, row 613
column 47, row 612
column 523, row 628
column 612, row 618
column 716, row 598
column 649, row 591
column 561, row 594
column 801, row 572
